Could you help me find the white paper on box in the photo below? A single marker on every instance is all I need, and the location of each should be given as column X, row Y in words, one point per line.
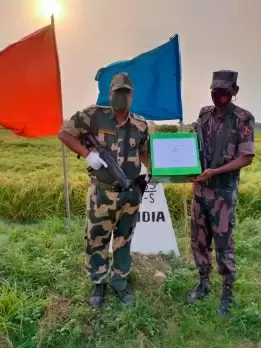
column 175, row 153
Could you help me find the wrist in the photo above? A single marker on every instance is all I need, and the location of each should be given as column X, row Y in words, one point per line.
column 215, row 171
column 85, row 153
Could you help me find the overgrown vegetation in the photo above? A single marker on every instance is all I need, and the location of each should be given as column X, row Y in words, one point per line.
column 166, row 128
column 44, row 293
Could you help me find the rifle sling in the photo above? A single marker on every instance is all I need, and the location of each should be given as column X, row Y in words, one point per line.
column 126, row 142
column 221, row 142
column 140, row 181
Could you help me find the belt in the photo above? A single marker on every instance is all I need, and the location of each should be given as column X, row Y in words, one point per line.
column 109, row 187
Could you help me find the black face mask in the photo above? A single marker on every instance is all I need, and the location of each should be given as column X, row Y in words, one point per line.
column 120, row 100
column 221, row 97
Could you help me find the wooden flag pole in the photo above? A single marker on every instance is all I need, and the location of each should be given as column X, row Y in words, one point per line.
column 185, row 208
column 65, row 178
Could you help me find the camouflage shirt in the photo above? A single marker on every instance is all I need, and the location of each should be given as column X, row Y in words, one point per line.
column 240, row 139
column 101, row 122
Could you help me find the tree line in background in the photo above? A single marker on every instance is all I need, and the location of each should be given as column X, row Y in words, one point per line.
column 171, row 128
column 168, row 128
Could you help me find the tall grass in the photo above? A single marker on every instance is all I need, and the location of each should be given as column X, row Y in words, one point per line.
column 31, row 182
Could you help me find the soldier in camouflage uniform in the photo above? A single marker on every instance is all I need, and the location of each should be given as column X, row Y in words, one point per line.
column 228, row 139
column 110, row 208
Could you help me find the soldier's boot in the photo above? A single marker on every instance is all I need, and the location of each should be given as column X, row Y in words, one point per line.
column 200, row 291
column 226, row 300
column 125, row 297
column 97, row 297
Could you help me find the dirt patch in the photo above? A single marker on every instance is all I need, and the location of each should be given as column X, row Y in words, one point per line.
column 248, row 344
column 55, row 313
column 147, row 265
column 173, row 327
column 5, row 342
column 87, row 329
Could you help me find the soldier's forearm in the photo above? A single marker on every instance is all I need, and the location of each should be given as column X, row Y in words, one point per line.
column 73, row 144
column 238, row 163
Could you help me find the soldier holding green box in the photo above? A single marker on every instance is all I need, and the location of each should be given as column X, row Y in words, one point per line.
column 228, row 143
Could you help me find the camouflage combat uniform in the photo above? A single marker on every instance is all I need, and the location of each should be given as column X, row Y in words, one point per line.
column 109, row 210
column 214, row 202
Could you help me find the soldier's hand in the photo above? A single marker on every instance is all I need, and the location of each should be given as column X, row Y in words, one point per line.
column 207, row 174
column 94, row 161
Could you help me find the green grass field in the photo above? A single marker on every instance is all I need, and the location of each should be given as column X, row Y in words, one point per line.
column 43, row 291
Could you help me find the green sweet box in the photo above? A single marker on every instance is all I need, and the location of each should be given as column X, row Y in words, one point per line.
column 174, row 157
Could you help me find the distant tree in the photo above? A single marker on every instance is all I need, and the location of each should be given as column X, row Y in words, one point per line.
column 167, row 128
column 258, row 125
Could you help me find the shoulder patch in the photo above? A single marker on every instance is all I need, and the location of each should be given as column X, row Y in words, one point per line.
column 243, row 114
column 246, row 130
column 206, row 109
column 139, row 118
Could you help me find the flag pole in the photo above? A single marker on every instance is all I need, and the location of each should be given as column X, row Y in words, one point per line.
column 65, row 178
column 185, row 208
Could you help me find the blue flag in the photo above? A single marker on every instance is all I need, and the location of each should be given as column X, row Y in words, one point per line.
column 156, row 78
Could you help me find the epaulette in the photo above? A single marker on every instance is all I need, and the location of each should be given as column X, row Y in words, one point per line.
column 139, row 118
column 92, row 108
column 243, row 114
column 89, row 109
column 206, row 109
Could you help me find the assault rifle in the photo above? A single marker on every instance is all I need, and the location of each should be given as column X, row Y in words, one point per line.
column 88, row 140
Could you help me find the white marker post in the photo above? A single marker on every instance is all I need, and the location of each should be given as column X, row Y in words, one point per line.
column 154, row 232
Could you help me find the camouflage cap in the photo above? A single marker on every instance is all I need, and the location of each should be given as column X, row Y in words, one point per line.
column 223, row 79
column 121, row 80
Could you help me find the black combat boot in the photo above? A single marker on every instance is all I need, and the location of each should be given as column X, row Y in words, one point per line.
column 97, row 297
column 200, row 291
column 125, row 297
column 226, row 300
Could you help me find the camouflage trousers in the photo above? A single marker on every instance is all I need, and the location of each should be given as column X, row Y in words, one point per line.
column 110, row 215
column 213, row 217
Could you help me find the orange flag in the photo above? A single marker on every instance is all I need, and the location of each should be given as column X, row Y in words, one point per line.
column 30, row 87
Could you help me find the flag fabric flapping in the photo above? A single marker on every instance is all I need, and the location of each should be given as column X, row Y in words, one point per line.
column 156, row 78
column 30, row 88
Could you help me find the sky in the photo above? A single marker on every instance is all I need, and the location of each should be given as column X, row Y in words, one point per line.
column 214, row 35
